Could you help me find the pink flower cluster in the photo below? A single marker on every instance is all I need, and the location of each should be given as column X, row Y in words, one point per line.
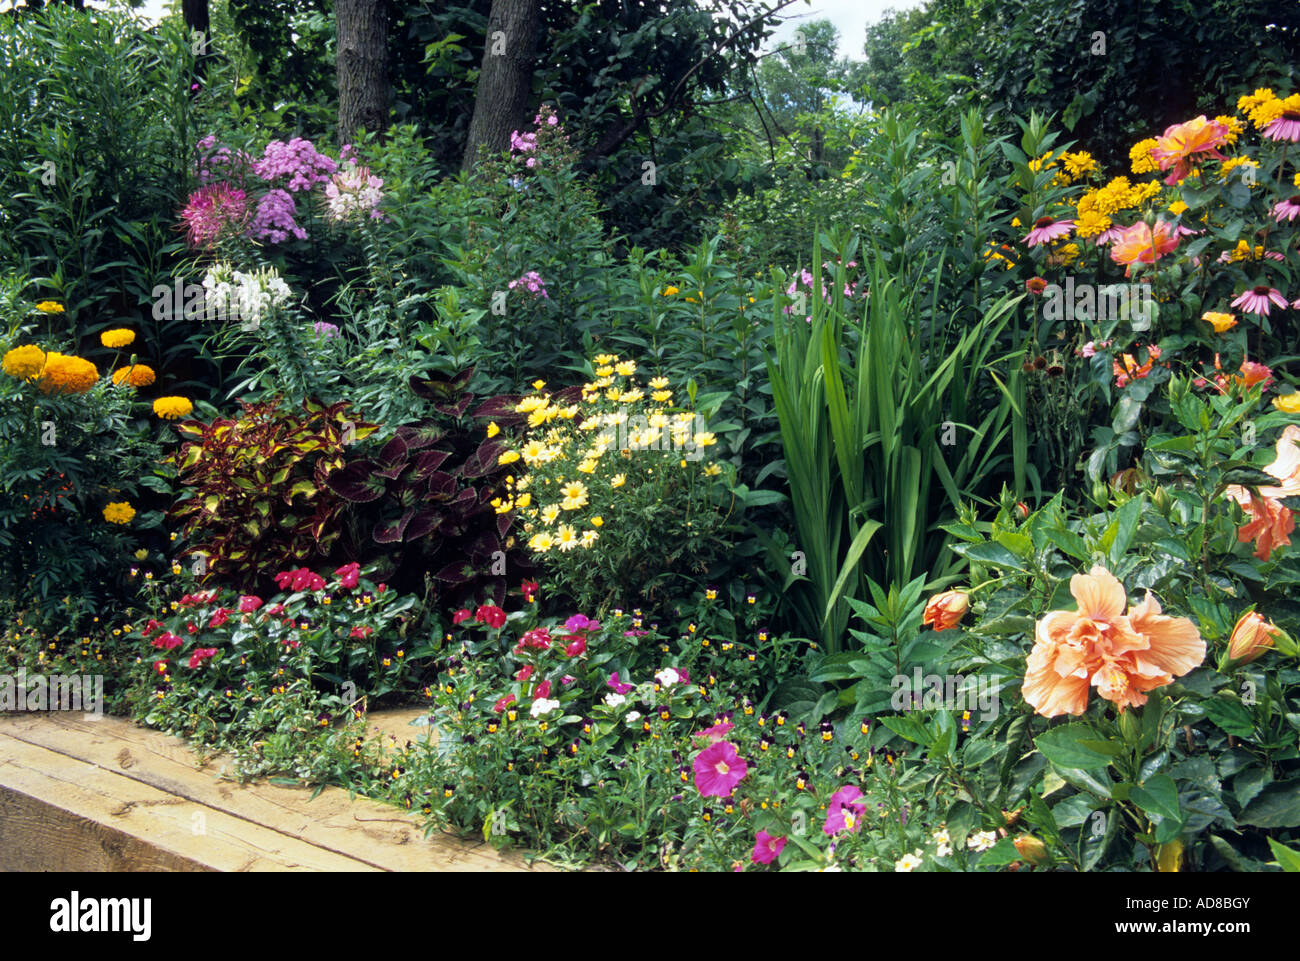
column 212, row 212
column 533, row 282
column 298, row 160
column 352, row 193
column 219, row 162
column 275, row 218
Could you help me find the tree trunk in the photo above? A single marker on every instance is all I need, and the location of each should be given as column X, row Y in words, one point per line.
column 362, row 66
column 505, row 82
column 195, row 13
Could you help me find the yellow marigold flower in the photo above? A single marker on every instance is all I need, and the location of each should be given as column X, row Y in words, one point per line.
column 137, row 375
column 118, row 337
column 50, row 307
column 566, row 537
column 1220, row 321
column 1143, row 192
column 1140, row 156
column 618, row 480
column 575, row 495
column 541, row 542
column 507, row 457
column 493, row 429
column 24, row 362
column 662, row 396
column 1288, row 403
column 1250, row 101
column 549, row 513
column 1266, row 110
column 1091, row 223
column 597, row 521
column 119, row 512
column 67, row 375
column 588, row 538
column 1178, row 208
column 171, row 408
column 670, row 291
column 1296, row 180
column 625, row 368
column 1079, row 164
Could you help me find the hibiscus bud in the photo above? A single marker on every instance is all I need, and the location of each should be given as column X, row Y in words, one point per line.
column 1031, row 849
column 1169, row 857
column 1251, row 637
column 945, row 610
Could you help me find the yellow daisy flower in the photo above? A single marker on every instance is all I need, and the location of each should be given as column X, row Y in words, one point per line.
column 549, row 513
column 625, row 368
column 575, row 495
column 566, row 537
column 493, row 429
column 618, row 480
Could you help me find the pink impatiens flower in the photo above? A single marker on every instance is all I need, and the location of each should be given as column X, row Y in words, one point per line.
column 502, row 704
column 202, row 654
column 1255, row 300
column 249, row 603
column 767, row 848
column 1046, row 229
column 576, row 647
column 718, row 769
column 300, row 580
column 348, row 575
column 619, row 688
column 464, row 614
column 220, row 617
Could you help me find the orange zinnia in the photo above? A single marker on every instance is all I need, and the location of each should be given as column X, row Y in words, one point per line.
column 1122, row 655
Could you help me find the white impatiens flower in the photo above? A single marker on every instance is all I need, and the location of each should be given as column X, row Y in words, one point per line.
column 908, row 862
column 668, row 677
column 615, row 700
column 981, row 841
column 542, row 706
column 633, row 716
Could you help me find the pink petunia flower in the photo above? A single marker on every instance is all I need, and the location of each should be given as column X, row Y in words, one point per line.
column 1046, row 229
column 1255, row 300
column 844, row 811
column 718, row 769
column 767, row 848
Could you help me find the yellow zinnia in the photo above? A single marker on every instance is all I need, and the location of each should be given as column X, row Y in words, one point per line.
column 171, row 408
column 24, row 362
column 119, row 512
column 118, row 337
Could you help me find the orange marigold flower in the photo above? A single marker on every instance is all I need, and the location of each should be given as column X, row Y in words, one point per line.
column 67, row 375
column 137, row 375
column 1122, row 655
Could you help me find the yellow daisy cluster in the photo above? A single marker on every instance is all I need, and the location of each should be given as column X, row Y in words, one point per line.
column 50, row 307
column 1234, row 125
column 1096, row 207
column 1078, row 165
column 67, row 375
column 1228, row 166
column 137, row 375
column 573, row 456
column 1263, row 106
column 1140, row 156
column 1244, row 251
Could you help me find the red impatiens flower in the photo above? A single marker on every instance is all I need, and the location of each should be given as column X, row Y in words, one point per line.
column 300, row 580
column 524, row 673
column 220, row 617
column 718, row 769
column 362, row 632
column 249, row 603
column 167, row 641
column 543, row 690
column 150, row 627
column 464, row 614
column 202, row 654
column 767, row 848
column 502, row 704
column 529, row 589
column 491, row 615
column 349, row 574
column 577, row 645
column 191, row 628
column 844, row 811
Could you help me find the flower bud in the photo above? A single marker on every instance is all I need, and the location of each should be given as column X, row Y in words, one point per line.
column 1169, row 857
column 1251, row 637
column 1031, row 849
column 945, row 610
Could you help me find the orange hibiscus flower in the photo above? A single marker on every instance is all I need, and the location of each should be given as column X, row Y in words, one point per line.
column 1122, row 655
column 1270, row 522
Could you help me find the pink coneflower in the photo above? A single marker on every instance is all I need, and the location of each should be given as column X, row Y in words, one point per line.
column 1110, row 235
column 766, row 848
column 1285, row 127
column 212, row 212
column 1046, row 229
column 1287, row 209
column 1255, row 300
column 718, row 769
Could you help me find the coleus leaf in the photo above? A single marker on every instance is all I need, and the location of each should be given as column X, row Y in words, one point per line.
column 358, row 482
column 484, row 460
column 428, row 461
column 392, row 532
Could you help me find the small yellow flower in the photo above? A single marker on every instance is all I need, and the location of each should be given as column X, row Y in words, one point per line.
column 538, row 384
column 602, row 359
column 119, row 512
column 1288, row 403
column 493, row 429
column 658, row 383
column 603, row 371
column 50, row 307
column 1221, row 322
column 566, row 537
column 588, row 466
column 575, row 495
column 507, row 457
column 662, row 396
column 588, row 538
column 670, row 291
column 117, row 337
column 541, row 542
column 597, row 521
column 523, row 500
column 171, row 408
column 625, row 368
column 713, row 470
column 141, row 554
column 618, row 480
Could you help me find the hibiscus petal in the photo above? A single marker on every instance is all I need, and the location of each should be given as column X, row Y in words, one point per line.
column 1099, row 593
column 1176, row 646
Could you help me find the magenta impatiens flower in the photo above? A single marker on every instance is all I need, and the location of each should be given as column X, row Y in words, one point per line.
column 1255, row 300
column 718, row 769
column 845, row 810
column 349, row 575
column 580, row 622
column 202, row 654
column 1045, row 229
column 767, row 848
column 619, row 688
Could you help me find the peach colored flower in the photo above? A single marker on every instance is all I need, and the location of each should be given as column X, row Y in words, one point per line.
column 945, row 610
column 1181, row 142
column 1141, row 244
column 1250, row 638
column 1122, row 655
column 1270, row 523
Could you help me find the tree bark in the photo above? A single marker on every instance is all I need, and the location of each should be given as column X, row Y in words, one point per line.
column 505, row 82
column 362, row 66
